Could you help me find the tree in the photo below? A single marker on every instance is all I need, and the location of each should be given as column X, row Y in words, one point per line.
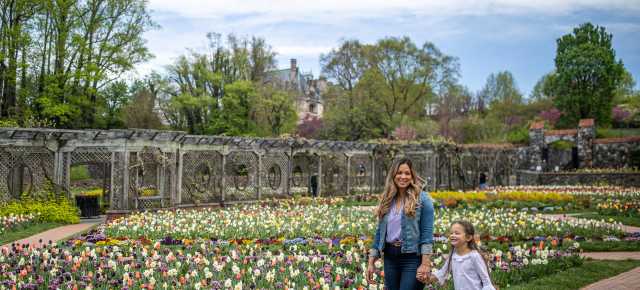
column 504, row 98
column 348, row 109
column 452, row 103
column 140, row 113
column 113, row 100
column 197, row 84
column 408, row 75
column 587, row 75
column 542, row 89
column 276, row 113
column 501, row 88
column 309, row 127
column 238, row 114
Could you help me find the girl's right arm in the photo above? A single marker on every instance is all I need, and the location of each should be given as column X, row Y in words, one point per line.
column 440, row 276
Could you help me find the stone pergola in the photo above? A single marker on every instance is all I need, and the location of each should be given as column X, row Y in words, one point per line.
column 181, row 170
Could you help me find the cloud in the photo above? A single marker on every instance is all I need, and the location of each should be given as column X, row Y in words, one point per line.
column 271, row 10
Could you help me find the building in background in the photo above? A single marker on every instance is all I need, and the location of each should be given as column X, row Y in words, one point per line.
column 307, row 90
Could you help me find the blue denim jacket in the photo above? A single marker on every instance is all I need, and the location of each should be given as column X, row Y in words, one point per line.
column 416, row 233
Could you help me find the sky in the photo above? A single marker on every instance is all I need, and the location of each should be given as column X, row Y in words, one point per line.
column 486, row 36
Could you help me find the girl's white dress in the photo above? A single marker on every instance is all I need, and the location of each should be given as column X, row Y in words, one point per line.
column 469, row 272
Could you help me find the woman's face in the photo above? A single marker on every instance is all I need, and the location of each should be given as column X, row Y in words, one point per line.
column 403, row 177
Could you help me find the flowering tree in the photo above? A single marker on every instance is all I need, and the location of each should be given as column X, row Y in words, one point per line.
column 620, row 114
column 551, row 116
column 404, row 132
column 309, row 127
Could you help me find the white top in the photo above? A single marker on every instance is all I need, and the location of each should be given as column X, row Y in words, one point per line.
column 469, row 272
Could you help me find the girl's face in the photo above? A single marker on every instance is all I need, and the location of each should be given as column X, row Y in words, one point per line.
column 457, row 236
column 403, row 177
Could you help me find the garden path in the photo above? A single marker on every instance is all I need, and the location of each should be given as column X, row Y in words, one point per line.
column 59, row 233
column 628, row 229
column 627, row 280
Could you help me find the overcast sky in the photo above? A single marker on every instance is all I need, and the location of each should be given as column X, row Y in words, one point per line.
column 485, row 36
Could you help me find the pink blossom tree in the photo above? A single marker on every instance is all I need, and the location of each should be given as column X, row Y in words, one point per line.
column 309, row 127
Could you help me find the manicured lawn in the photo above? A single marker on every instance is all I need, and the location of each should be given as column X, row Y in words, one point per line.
column 600, row 246
column 625, row 220
column 575, row 278
column 27, row 232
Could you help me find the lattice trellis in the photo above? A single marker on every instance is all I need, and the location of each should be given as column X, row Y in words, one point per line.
column 443, row 172
column 303, row 166
column 360, row 175
column 382, row 166
column 273, row 180
column 470, row 170
column 430, row 171
column 334, row 175
column 119, row 193
column 201, row 177
column 29, row 169
column 151, row 178
column 94, row 157
column 241, row 176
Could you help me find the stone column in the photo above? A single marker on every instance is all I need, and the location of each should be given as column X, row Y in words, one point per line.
column 536, row 144
column 584, row 142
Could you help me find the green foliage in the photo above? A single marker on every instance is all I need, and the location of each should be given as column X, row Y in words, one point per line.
column 275, row 112
column 616, row 133
column 476, row 129
column 53, row 210
column 382, row 86
column 63, row 55
column 79, row 172
column 140, row 112
column 533, row 272
column 562, row 145
column 237, row 115
column 578, row 277
column 587, row 75
column 8, row 123
column 519, row 135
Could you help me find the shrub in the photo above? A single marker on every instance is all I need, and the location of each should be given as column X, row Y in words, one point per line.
column 54, row 210
column 562, row 145
column 519, row 136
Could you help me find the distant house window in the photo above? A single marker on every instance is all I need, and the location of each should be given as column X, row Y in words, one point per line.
column 313, row 108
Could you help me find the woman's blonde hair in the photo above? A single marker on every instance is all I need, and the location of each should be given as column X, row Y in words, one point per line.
column 412, row 195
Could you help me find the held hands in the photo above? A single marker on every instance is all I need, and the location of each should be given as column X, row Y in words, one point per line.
column 371, row 269
column 424, row 273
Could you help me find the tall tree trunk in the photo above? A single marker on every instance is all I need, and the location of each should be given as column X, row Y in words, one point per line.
column 10, row 74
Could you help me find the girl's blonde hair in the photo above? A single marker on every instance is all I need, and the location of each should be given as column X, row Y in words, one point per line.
column 412, row 195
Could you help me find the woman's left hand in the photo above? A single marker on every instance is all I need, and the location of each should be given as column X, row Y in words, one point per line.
column 423, row 273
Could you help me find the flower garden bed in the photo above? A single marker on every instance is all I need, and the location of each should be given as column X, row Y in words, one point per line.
column 296, row 244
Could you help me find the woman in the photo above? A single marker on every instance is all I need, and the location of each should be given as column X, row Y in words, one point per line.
column 405, row 230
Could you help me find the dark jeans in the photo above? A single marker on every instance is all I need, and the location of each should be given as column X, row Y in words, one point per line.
column 400, row 269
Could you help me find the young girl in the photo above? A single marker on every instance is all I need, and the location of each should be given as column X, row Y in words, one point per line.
column 469, row 269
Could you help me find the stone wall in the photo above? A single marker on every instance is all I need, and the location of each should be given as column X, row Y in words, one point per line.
column 616, row 152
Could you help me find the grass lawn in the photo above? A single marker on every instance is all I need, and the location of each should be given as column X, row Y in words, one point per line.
column 625, row 220
column 575, row 278
column 27, row 232
column 601, row 246
column 616, row 133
